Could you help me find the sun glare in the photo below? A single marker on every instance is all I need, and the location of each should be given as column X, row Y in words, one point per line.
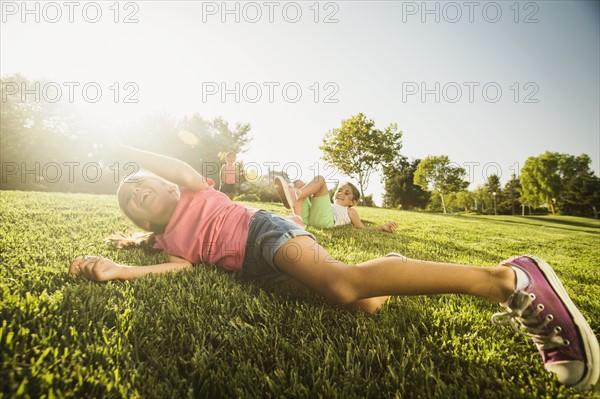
column 188, row 137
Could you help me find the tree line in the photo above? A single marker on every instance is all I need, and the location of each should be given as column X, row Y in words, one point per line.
column 48, row 146
column 551, row 182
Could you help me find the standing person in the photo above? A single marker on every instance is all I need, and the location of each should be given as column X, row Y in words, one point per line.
column 311, row 202
column 230, row 178
column 194, row 223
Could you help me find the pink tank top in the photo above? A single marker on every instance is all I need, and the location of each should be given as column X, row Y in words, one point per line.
column 207, row 227
column 229, row 174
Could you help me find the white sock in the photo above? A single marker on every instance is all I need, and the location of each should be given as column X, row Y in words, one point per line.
column 523, row 279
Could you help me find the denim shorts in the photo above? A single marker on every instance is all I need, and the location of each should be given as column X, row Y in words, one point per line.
column 267, row 232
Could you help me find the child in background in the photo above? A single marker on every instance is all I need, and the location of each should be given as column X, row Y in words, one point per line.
column 311, row 202
column 194, row 223
column 229, row 175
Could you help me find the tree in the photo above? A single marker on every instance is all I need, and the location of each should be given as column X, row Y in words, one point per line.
column 464, row 199
column 560, row 181
column 400, row 190
column 215, row 137
column 368, row 201
column 47, row 145
column 493, row 188
column 37, row 138
column 510, row 196
column 580, row 187
column 480, row 198
column 438, row 174
column 191, row 139
column 541, row 180
column 357, row 149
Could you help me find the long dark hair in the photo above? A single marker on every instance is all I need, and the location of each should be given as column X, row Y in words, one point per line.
column 355, row 192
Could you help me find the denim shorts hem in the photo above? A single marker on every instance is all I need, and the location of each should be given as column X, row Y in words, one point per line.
column 267, row 232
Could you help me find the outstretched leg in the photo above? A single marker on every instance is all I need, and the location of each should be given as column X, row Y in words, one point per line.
column 540, row 308
column 370, row 305
column 306, row 261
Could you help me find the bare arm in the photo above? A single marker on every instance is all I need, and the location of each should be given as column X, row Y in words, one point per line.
column 356, row 222
column 96, row 268
column 171, row 169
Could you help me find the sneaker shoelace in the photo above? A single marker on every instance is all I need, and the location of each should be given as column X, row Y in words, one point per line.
column 523, row 319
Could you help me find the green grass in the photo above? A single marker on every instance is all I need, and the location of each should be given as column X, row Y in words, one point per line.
column 205, row 333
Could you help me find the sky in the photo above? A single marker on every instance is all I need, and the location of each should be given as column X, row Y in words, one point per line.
column 486, row 83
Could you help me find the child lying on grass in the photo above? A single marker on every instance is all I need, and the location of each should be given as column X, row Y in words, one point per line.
column 194, row 223
column 311, row 203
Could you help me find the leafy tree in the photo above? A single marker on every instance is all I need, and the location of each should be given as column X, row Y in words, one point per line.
column 493, row 184
column 400, row 190
column 435, row 202
column 480, row 198
column 358, row 149
column 451, row 202
column 438, row 174
column 45, row 138
column 493, row 188
column 464, row 200
column 37, row 138
column 560, row 181
column 541, row 180
column 368, row 201
column 510, row 196
column 192, row 139
column 595, row 200
column 581, row 188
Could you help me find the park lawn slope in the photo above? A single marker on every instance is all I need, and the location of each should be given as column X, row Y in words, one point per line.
column 206, row 333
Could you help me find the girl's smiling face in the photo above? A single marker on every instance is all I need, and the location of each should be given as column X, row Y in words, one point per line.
column 148, row 201
column 230, row 158
column 344, row 196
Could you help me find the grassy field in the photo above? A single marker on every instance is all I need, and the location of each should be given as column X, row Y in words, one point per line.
column 205, row 333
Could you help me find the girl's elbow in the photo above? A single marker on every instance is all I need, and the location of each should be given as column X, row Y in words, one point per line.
column 358, row 225
column 184, row 263
column 195, row 181
column 198, row 186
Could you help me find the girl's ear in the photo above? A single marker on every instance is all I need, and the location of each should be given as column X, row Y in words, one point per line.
column 172, row 188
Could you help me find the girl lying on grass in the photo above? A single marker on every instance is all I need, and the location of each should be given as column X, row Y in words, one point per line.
column 194, row 223
column 311, row 203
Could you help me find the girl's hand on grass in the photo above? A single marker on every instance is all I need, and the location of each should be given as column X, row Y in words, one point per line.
column 95, row 268
column 389, row 227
